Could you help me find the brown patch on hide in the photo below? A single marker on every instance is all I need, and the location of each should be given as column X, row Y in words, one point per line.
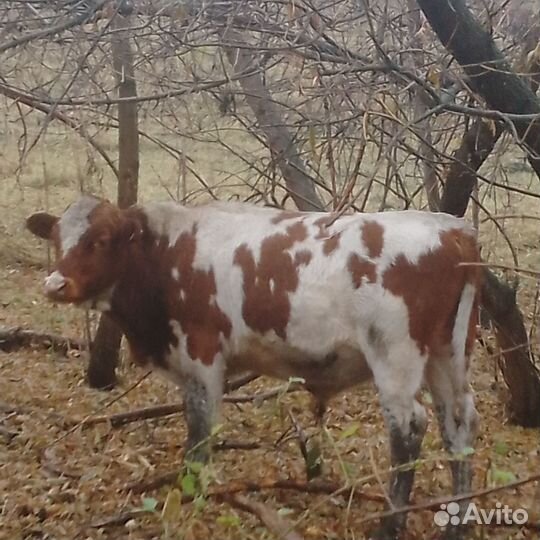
column 194, row 303
column 360, row 270
column 431, row 289
column 268, row 282
column 330, row 239
column 302, row 258
column 331, row 244
column 285, row 215
column 373, row 238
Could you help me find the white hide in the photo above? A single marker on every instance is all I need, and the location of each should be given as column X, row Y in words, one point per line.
column 326, row 310
column 74, row 222
column 181, row 365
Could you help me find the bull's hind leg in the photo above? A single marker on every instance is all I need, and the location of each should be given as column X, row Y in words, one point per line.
column 458, row 421
column 398, row 379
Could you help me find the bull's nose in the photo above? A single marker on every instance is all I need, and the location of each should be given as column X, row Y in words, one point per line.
column 55, row 283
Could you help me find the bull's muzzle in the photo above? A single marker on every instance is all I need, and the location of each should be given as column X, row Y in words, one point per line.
column 59, row 287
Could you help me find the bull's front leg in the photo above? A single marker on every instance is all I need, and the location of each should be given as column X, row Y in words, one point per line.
column 201, row 400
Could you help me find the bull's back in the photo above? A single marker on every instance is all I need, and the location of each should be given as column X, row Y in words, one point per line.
column 317, row 283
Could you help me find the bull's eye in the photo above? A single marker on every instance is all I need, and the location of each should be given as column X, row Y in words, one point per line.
column 101, row 243
column 98, row 244
column 88, row 246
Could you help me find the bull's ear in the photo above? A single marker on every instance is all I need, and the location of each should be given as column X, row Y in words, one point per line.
column 41, row 224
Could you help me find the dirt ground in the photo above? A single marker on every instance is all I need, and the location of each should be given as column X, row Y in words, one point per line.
column 58, row 481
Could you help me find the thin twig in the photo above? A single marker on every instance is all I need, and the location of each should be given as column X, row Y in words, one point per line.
column 15, row 337
column 436, row 503
column 102, row 408
column 118, row 520
column 377, row 475
column 159, row 411
column 120, row 419
column 511, row 216
column 52, row 112
column 52, row 30
column 533, row 273
column 320, row 487
column 275, row 523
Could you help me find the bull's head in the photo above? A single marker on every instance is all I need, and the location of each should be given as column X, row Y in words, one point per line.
column 90, row 240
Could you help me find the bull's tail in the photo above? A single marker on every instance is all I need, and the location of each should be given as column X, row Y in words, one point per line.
column 463, row 325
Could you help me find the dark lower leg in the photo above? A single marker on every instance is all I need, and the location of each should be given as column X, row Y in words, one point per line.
column 461, row 475
column 404, row 448
column 198, row 412
column 459, row 433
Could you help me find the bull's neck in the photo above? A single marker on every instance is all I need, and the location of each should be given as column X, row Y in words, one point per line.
column 140, row 304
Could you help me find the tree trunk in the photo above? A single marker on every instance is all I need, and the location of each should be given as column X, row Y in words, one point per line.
column 519, row 371
column 506, row 92
column 104, row 352
column 423, row 127
column 489, row 74
column 104, row 355
column 476, row 145
column 128, row 119
column 270, row 119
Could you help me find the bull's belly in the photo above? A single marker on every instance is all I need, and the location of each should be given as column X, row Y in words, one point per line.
column 325, row 375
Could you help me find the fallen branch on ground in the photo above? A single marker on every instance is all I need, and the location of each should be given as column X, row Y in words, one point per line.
column 236, row 383
column 321, row 487
column 435, row 504
column 7, row 408
column 271, row 519
column 145, row 413
column 118, row 520
column 160, row 411
column 102, row 408
column 16, row 338
column 231, row 491
column 120, row 419
column 310, row 451
column 275, row 523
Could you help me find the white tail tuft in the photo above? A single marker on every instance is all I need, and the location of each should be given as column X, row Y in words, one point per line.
column 461, row 323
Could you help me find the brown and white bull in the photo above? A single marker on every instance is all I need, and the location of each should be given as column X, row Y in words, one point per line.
column 202, row 292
